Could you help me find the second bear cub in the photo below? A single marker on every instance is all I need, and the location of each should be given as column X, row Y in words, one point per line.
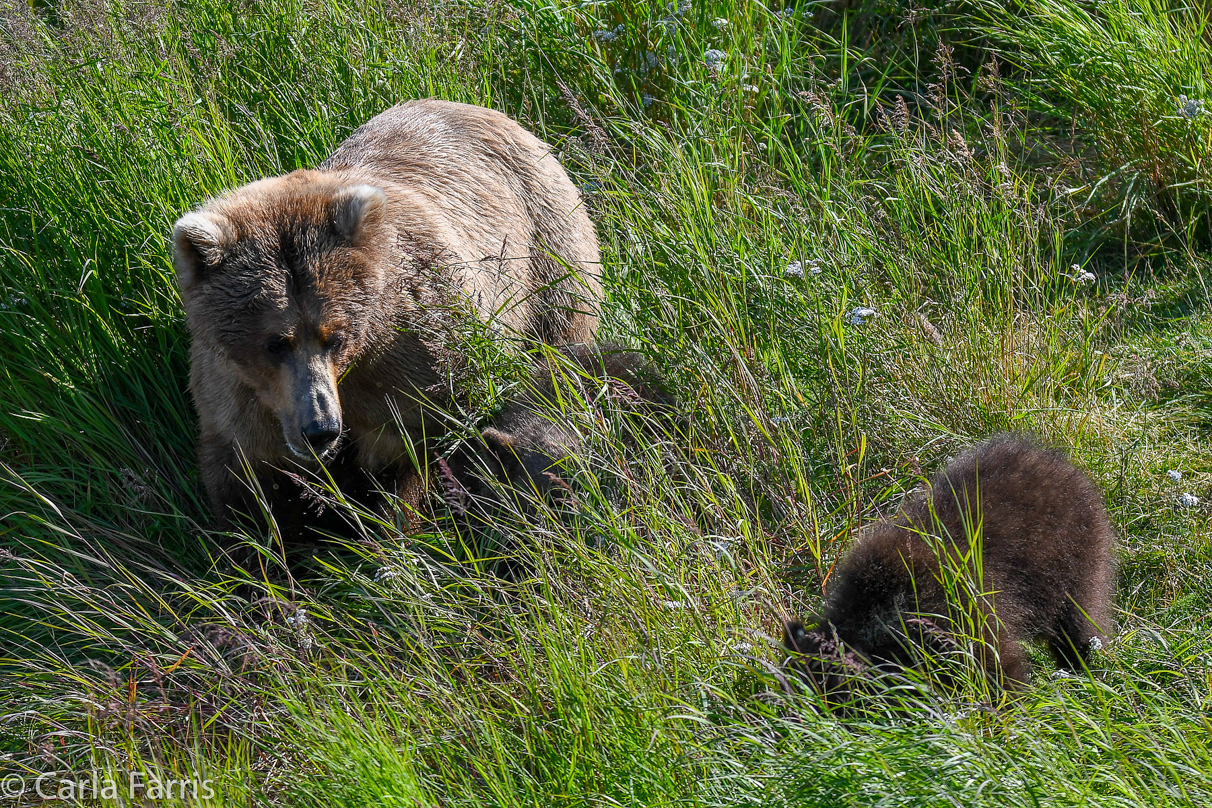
column 1042, row 568
column 537, row 437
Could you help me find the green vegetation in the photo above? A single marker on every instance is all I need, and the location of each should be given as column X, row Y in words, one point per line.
column 1019, row 193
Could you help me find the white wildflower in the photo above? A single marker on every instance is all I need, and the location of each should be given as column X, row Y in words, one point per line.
column 386, row 574
column 750, row 88
column 298, row 620
column 1190, row 107
column 1061, row 673
column 1175, row 475
column 647, row 99
column 860, row 315
column 794, row 270
column 1188, row 501
column 1095, row 644
column 1082, row 276
column 674, row 604
column 742, row 647
column 720, row 23
column 714, row 57
column 609, row 36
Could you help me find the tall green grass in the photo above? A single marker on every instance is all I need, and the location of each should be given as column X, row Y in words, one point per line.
column 1129, row 78
column 749, row 205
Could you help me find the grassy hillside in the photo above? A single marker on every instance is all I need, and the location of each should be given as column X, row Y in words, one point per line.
column 859, row 237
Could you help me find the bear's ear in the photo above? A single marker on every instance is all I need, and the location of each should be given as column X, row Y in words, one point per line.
column 500, row 444
column 200, row 240
column 357, row 211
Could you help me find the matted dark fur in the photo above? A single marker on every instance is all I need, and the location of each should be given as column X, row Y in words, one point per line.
column 531, row 444
column 326, row 306
column 1046, row 571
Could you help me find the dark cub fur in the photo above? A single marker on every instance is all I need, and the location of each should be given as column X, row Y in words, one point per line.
column 1043, row 570
column 528, row 446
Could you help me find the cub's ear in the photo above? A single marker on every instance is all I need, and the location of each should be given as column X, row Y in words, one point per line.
column 357, row 211
column 200, row 240
column 795, row 633
column 500, row 444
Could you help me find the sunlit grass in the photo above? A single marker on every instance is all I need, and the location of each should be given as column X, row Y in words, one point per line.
column 748, row 205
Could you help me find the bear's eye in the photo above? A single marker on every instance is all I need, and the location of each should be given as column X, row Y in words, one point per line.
column 334, row 343
column 277, row 346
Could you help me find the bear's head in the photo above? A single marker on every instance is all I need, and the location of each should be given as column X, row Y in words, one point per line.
column 280, row 278
column 822, row 658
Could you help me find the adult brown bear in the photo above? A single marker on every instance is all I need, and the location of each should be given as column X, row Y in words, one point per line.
column 326, row 306
column 1012, row 542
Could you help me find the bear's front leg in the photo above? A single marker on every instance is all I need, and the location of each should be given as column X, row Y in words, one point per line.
column 241, row 501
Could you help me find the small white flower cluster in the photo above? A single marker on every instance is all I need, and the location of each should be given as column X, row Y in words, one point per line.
column 609, row 36
column 714, row 58
column 1175, row 475
column 298, row 620
column 1081, row 276
column 1095, row 644
column 719, row 23
column 386, row 574
column 797, row 269
column 11, row 302
column 1188, row 501
column 860, row 315
column 1190, row 107
column 676, row 11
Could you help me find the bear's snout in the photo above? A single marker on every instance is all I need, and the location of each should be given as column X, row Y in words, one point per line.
column 313, row 423
column 322, row 434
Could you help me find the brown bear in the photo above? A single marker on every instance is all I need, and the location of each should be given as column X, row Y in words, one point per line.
column 326, row 306
column 1019, row 535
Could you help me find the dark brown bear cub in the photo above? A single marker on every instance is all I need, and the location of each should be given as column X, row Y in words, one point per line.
column 1016, row 532
column 538, row 437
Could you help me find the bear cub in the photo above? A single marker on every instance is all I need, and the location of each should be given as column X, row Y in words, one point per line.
column 326, row 306
column 1043, row 569
column 533, row 443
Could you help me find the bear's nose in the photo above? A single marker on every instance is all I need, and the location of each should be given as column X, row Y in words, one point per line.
column 321, row 434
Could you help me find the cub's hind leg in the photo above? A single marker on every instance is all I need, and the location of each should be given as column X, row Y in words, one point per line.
column 1071, row 638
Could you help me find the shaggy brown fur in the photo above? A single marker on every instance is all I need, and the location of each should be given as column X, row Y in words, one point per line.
column 325, row 305
column 1045, row 571
column 529, row 445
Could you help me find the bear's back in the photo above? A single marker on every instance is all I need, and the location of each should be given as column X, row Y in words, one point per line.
column 507, row 218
